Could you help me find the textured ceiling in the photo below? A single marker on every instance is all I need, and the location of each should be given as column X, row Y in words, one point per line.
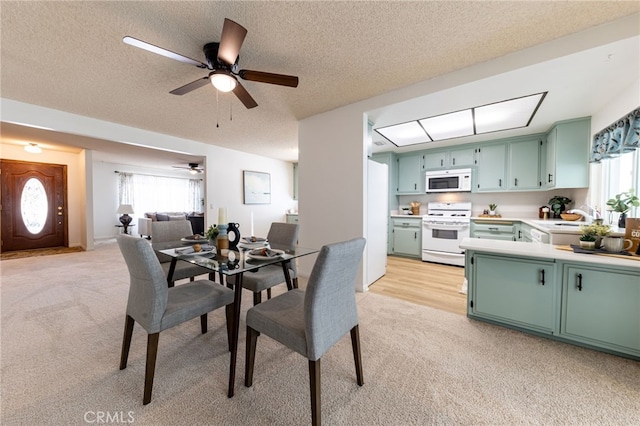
column 70, row 56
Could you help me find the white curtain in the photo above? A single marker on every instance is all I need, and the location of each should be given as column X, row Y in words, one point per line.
column 160, row 194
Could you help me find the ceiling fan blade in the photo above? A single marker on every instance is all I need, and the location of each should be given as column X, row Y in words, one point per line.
column 244, row 96
column 267, row 77
column 161, row 51
column 190, row 86
column 233, row 35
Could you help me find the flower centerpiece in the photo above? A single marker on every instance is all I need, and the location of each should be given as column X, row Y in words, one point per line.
column 593, row 233
column 622, row 203
column 212, row 234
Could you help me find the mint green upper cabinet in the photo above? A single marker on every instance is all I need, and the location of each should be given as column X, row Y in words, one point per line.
column 462, row 157
column 410, row 175
column 567, row 155
column 524, row 160
column 517, row 291
column 490, row 176
column 600, row 307
column 436, row 160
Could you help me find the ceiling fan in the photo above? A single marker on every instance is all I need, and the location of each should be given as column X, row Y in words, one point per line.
column 222, row 61
column 193, row 168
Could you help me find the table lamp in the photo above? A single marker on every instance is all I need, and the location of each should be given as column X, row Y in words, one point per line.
column 125, row 219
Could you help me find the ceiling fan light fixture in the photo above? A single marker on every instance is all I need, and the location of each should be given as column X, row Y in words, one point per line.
column 223, row 80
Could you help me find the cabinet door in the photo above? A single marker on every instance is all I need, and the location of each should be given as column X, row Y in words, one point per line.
column 514, row 290
column 491, row 168
column 409, row 174
column 601, row 307
column 436, row 160
column 406, row 241
column 524, row 165
column 462, row 157
column 550, row 176
column 572, row 154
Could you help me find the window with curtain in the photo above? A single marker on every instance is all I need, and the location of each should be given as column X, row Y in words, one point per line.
column 160, row 194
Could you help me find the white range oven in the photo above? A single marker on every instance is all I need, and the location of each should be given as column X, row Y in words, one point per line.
column 443, row 228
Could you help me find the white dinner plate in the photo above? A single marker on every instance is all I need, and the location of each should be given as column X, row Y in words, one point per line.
column 194, row 240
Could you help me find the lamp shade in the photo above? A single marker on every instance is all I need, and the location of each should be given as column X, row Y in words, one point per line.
column 125, row 209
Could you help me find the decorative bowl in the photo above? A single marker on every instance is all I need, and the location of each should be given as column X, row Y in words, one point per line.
column 570, row 216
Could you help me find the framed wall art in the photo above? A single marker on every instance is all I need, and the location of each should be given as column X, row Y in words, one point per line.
column 257, row 187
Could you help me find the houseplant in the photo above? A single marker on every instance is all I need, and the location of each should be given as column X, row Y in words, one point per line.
column 588, row 241
column 212, row 234
column 492, row 209
column 594, row 232
column 558, row 204
column 622, row 203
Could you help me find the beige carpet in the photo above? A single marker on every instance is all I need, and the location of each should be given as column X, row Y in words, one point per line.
column 61, row 331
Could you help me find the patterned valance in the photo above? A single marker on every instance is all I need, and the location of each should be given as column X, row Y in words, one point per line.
column 620, row 137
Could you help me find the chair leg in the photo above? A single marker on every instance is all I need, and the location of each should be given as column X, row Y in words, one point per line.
column 357, row 356
column 152, row 352
column 257, row 298
column 314, row 384
column 269, row 293
column 126, row 341
column 252, row 340
column 203, row 323
column 295, row 282
column 229, row 313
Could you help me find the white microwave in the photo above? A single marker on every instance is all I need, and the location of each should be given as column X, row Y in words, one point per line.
column 455, row 180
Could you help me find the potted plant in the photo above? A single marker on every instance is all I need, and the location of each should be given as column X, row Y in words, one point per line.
column 588, row 241
column 558, row 204
column 492, row 209
column 212, row 234
column 595, row 230
column 622, row 203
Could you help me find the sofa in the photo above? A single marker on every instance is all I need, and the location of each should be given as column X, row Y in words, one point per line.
column 144, row 223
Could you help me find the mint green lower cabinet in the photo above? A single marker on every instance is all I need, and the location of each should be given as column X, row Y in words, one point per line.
column 407, row 237
column 601, row 307
column 493, row 229
column 517, row 291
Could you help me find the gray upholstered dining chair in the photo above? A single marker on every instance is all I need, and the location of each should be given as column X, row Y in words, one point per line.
column 157, row 307
column 282, row 236
column 310, row 322
column 174, row 230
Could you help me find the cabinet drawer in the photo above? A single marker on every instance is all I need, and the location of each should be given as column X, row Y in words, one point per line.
column 497, row 227
column 404, row 223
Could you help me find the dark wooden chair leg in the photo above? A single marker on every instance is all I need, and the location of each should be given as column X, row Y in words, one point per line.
column 152, row 352
column 229, row 313
column 192, row 279
column 357, row 355
column 252, row 340
column 203, row 323
column 257, row 298
column 295, row 282
column 269, row 293
column 314, row 384
column 126, row 341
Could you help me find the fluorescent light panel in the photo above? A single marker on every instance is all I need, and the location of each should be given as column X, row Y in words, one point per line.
column 504, row 115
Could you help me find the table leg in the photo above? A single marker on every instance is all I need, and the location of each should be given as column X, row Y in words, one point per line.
column 234, row 334
column 172, row 269
column 287, row 276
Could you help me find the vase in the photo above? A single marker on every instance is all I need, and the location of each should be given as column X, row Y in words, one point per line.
column 588, row 245
column 622, row 220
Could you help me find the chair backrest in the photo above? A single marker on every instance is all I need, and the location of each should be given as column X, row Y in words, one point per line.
column 284, row 236
column 170, row 230
column 330, row 300
column 148, row 290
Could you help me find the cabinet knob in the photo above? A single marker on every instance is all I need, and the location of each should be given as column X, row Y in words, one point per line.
column 550, row 176
column 542, row 276
column 516, row 181
column 579, row 276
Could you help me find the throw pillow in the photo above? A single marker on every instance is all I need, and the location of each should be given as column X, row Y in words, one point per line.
column 162, row 217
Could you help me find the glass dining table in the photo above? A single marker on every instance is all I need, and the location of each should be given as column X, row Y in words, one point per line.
column 232, row 262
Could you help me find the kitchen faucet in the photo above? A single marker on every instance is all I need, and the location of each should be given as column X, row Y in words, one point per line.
column 588, row 217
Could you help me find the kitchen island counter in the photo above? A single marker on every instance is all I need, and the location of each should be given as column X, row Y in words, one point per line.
column 545, row 251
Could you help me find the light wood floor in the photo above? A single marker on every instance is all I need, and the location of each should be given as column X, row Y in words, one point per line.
column 424, row 283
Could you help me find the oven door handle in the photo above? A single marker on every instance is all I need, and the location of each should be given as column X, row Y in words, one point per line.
column 443, row 225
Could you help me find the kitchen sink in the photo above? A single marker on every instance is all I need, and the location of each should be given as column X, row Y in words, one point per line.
column 563, row 224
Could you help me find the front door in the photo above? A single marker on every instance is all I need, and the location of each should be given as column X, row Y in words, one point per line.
column 34, row 205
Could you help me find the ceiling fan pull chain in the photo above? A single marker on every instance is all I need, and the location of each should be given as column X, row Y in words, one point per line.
column 217, row 110
column 230, row 110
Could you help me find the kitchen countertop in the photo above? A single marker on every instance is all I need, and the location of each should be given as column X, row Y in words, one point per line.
column 552, row 226
column 543, row 251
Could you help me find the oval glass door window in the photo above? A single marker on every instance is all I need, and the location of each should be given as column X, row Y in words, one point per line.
column 34, row 205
